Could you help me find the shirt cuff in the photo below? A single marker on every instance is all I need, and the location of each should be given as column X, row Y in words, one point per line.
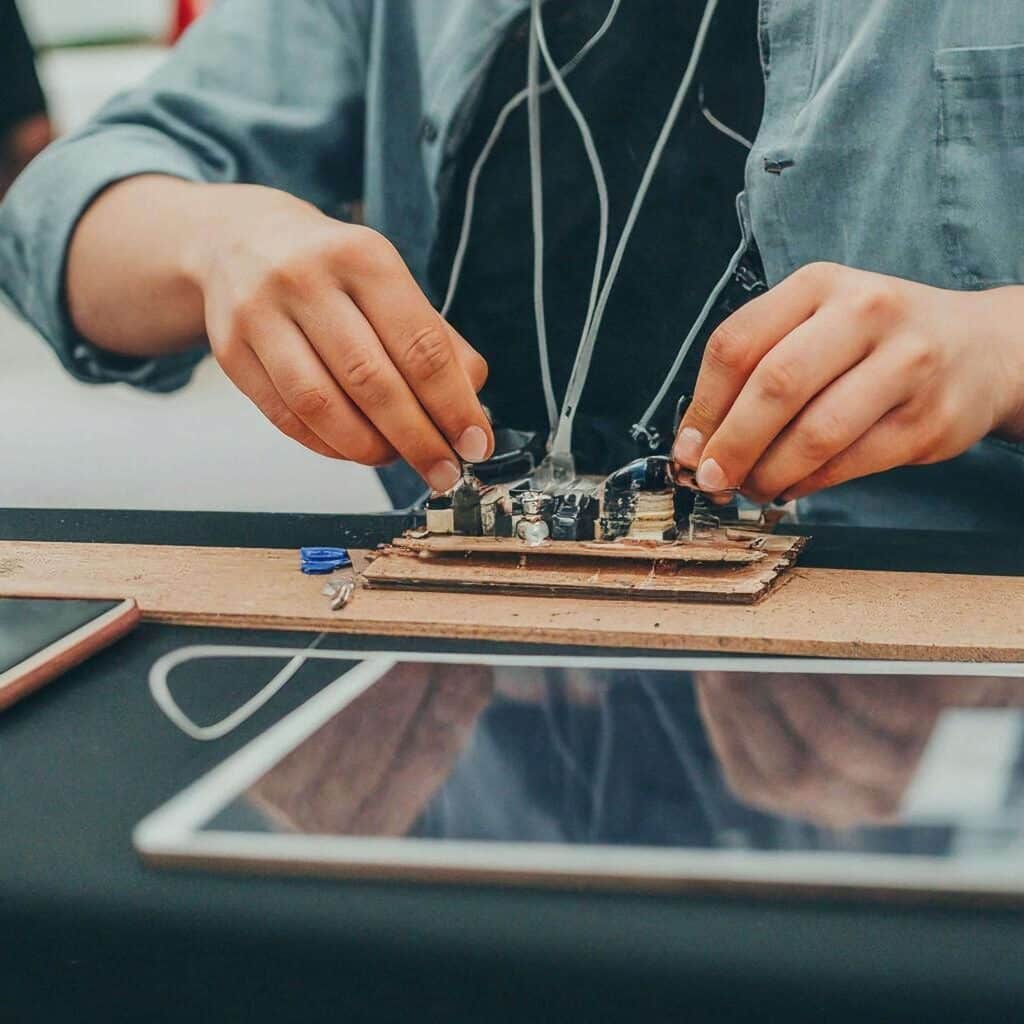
column 37, row 220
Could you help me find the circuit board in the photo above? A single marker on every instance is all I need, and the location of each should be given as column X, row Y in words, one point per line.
column 636, row 533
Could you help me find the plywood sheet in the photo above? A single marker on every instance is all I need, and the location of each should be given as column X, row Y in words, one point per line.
column 752, row 549
column 540, row 571
column 823, row 612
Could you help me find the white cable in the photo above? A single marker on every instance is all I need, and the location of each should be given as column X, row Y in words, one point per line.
column 492, row 140
column 537, row 208
column 595, row 166
column 702, row 316
column 562, row 443
column 729, row 133
column 161, row 691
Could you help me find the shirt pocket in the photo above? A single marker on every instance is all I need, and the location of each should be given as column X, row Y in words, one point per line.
column 981, row 163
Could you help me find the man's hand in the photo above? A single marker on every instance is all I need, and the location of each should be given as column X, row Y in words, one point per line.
column 835, row 750
column 322, row 325
column 371, row 770
column 837, row 373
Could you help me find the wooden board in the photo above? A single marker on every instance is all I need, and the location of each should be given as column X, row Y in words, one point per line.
column 509, row 567
column 820, row 612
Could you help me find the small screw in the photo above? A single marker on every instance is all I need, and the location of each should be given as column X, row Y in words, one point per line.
column 340, row 592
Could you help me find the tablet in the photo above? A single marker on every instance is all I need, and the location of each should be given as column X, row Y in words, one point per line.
column 41, row 638
column 758, row 775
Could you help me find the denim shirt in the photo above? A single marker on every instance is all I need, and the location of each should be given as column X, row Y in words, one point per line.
column 892, row 140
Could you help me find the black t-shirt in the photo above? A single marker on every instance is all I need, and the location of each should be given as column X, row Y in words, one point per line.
column 684, row 237
column 20, row 94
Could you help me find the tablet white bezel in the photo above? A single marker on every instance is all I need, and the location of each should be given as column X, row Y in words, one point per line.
column 173, row 835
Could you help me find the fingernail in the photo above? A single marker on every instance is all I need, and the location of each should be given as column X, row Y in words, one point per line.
column 710, row 477
column 472, row 444
column 689, row 445
column 444, row 476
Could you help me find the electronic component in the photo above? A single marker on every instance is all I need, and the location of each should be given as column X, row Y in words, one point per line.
column 466, row 515
column 650, row 499
column 574, row 517
column 638, row 501
column 440, row 518
column 535, row 525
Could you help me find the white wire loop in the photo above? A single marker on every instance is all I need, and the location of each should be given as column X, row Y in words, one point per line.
column 160, row 689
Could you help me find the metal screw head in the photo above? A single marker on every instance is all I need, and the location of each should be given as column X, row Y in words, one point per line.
column 536, row 503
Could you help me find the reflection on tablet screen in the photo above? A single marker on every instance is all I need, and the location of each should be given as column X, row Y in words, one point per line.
column 897, row 764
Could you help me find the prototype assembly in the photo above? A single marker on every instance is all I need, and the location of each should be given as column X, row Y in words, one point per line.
column 643, row 531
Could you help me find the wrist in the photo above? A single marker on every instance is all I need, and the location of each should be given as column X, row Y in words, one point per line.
column 1008, row 313
column 208, row 212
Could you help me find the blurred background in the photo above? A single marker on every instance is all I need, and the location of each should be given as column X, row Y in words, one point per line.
column 70, row 445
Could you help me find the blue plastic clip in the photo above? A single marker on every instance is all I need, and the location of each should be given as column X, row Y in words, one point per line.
column 320, row 561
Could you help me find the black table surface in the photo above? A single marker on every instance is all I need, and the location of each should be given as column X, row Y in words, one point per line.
column 86, row 929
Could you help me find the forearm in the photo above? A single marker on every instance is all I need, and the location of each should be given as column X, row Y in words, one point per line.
column 130, row 286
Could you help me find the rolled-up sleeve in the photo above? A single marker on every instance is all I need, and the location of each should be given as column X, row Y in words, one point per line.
column 259, row 91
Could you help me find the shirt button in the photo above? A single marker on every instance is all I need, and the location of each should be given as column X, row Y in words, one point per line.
column 428, row 130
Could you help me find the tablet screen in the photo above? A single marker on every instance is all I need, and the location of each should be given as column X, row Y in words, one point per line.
column 30, row 625
column 815, row 760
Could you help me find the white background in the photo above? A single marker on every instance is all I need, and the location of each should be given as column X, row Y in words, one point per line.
column 64, row 444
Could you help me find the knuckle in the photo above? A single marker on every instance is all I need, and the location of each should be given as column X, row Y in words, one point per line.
column 243, row 320
column 362, row 373
column 367, row 251
column 820, row 274
column 726, row 349
column 291, row 277
column 700, row 411
column 778, row 379
column 428, row 352
column 920, row 359
column 821, row 437
column 880, row 303
column 307, row 402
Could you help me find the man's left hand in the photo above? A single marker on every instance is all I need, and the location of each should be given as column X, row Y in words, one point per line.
column 838, row 373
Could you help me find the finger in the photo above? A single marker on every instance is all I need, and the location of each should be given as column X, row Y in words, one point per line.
column 789, row 376
column 772, row 749
column 420, row 345
column 902, row 707
column 735, row 349
column 844, row 411
column 349, row 347
column 803, row 789
column 313, row 395
column 843, row 744
column 885, row 446
column 247, row 374
column 744, row 779
column 472, row 362
column 328, row 780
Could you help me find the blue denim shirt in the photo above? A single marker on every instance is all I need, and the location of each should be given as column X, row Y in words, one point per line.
column 892, row 140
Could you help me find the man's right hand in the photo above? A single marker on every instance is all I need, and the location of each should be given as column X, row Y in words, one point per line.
column 321, row 324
